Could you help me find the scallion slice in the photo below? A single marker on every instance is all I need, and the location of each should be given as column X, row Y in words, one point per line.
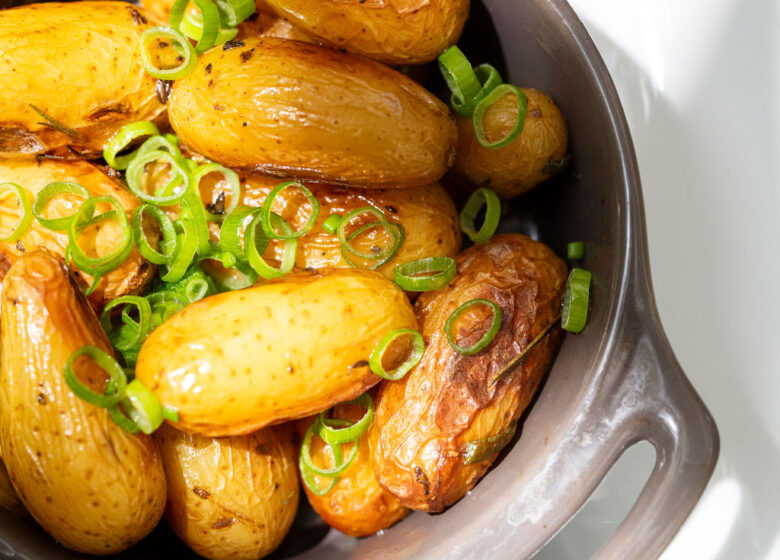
column 119, row 337
column 180, row 43
column 575, row 250
column 165, row 142
column 165, row 304
column 233, row 12
column 49, row 193
column 116, row 375
column 122, row 139
column 265, row 212
column 397, row 234
column 575, row 301
column 489, row 78
column 25, row 211
column 486, row 339
column 308, row 479
column 459, row 75
column 186, row 248
column 98, row 266
column 137, row 167
column 484, row 104
column 255, row 243
column 331, row 224
column 167, row 231
column 232, row 179
column 170, row 413
column 142, row 406
column 231, row 232
column 354, row 431
column 192, row 208
column 192, row 27
column 339, row 465
column 341, row 231
column 375, row 360
column 471, row 210
column 408, row 275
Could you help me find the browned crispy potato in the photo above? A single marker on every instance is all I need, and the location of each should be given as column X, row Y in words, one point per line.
column 131, row 277
column 425, row 421
column 392, row 31
column 79, row 63
column 522, row 165
column 238, row 361
column 91, row 485
column 357, row 505
column 293, row 109
column 230, row 498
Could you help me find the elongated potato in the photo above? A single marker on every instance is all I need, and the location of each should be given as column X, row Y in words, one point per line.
column 91, row 485
column 357, row 505
column 293, row 109
column 77, row 62
column 131, row 277
column 230, row 498
column 235, row 362
column 527, row 161
column 391, row 31
column 425, row 422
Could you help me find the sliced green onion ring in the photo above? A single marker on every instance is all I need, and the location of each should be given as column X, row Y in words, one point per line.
column 196, row 289
column 98, row 266
column 142, row 406
column 164, row 304
column 192, row 27
column 471, row 209
column 167, row 231
column 170, row 413
column 144, row 323
column 332, row 223
column 186, row 248
column 210, row 21
column 311, row 484
column 342, row 229
column 484, row 104
column 122, row 139
column 181, row 44
column 459, row 74
column 165, row 142
column 135, row 171
column 192, row 208
column 575, row 250
column 486, row 339
column 375, row 360
column 355, row 431
column 25, row 211
column 230, row 234
column 575, row 301
column 116, row 375
column 408, row 278
column 233, row 182
column 233, row 12
column 255, row 243
column 122, row 421
column 489, row 78
column 265, row 212
column 396, row 232
column 339, row 465
column 50, row 192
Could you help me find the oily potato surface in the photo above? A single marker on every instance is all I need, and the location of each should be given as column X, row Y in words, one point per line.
column 91, row 485
column 424, row 421
column 129, row 278
column 79, row 63
column 298, row 110
column 520, row 166
column 391, row 31
column 238, row 361
column 230, row 498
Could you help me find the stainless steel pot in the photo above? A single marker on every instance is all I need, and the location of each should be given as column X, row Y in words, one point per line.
column 616, row 384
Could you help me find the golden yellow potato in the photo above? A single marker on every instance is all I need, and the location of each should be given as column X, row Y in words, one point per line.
column 230, row 498
column 293, row 109
column 520, row 166
column 79, row 63
column 91, row 485
column 357, row 505
column 391, row 31
column 425, row 421
column 131, row 277
column 238, row 361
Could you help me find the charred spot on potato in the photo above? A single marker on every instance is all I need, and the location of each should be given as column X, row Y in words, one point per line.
column 359, row 364
column 391, row 209
column 223, row 522
column 163, row 90
column 536, row 113
column 208, row 69
column 201, row 492
column 246, row 55
column 420, row 478
column 107, row 113
column 235, row 43
column 138, row 18
column 41, row 398
column 20, row 246
column 262, row 449
column 217, row 207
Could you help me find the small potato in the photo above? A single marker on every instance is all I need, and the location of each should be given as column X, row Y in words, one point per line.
column 357, row 505
column 520, row 166
column 91, row 485
column 425, row 421
column 230, row 498
column 131, row 277
column 79, row 63
column 238, row 361
column 292, row 109
column 391, row 31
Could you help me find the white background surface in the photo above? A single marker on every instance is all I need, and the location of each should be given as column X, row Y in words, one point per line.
column 700, row 84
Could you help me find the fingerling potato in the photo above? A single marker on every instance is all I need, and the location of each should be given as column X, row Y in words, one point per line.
column 78, row 63
column 391, row 31
column 230, row 498
column 292, row 109
column 235, row 362
column 129, row 278
column 427, row 422
column 526, row 162
column 91, row 485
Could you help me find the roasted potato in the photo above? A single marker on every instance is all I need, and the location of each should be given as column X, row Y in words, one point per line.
column 425, row 422
column 230, row 498
column 293, row 109
column 131, row 277
column 238, row 361
column 9, row 499
column 526, row 162
column 71, row 75
column 357, row 505
column 394, row 31
column 91, row 485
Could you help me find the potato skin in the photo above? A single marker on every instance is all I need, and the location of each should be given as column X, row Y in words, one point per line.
column 424, row 421
column 91, row 485
column 238, row 361
column 357, row 505
column 230, row 498
column 517, row 168
column 79, row 63
column 129, row 278
column 293, row 109
column 394, row 31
